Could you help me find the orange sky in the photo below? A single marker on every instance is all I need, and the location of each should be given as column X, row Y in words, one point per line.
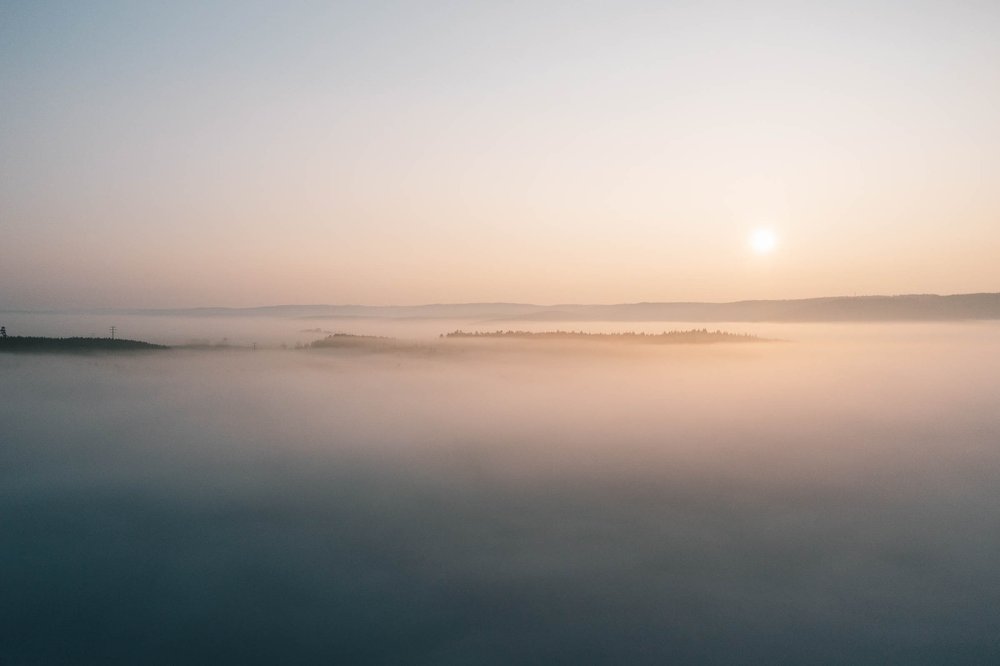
column 180, row 155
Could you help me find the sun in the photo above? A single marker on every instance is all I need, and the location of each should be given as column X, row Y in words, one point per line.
column 763, row 241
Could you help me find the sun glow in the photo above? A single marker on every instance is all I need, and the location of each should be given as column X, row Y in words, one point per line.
column 763, row 241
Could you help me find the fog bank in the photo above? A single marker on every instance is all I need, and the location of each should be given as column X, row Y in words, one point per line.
column 831, row 499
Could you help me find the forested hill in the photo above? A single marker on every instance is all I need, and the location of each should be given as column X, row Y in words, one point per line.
column 73, row 345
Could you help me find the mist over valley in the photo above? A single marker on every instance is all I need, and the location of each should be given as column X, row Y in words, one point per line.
column 835, row 494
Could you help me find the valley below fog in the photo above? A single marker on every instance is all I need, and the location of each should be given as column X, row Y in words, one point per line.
column 832, row 498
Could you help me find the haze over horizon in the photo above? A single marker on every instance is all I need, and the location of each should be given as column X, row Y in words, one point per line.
column 540, row 304
column 187, row 154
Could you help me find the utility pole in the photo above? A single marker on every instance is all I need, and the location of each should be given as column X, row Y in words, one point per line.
column 112, row 332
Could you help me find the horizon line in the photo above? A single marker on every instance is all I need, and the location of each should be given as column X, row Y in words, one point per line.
column 118, row 309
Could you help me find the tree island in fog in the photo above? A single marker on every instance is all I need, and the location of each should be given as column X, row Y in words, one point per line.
column 693, row 336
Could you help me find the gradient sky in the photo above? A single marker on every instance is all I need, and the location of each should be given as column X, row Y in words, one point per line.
column 184, row 154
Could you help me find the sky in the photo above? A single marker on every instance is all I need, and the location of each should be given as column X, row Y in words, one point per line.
column 170, row 154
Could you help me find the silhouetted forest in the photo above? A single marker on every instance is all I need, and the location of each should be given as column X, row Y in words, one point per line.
column 40, row 344
column 693, row 336
column 351, row 341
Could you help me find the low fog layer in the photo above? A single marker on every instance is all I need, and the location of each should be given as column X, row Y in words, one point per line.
column 832, row 499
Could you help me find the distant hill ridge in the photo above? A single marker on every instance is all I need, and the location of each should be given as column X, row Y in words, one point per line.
column 908, row 307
